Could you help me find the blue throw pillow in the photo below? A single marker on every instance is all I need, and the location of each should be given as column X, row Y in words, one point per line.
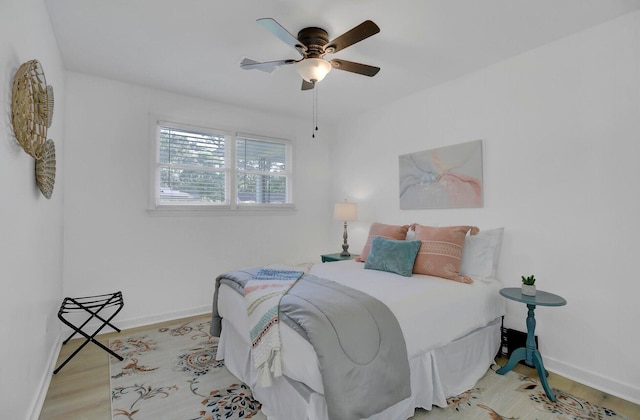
column 392, row 256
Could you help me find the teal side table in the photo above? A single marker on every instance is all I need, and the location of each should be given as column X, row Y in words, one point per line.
column 337, row 257
column 530, row 353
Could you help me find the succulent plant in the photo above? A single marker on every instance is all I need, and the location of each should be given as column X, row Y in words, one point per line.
column 529, row 281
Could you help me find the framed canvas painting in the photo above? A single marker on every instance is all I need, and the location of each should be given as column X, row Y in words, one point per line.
column 443, row 178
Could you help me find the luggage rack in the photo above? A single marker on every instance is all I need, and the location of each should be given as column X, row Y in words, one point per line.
column 92, row 305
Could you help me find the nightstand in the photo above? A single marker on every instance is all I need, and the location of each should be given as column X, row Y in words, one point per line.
column 337, row 257
column 530, row 353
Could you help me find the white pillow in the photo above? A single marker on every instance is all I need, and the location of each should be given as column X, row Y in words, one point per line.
column 481, row 253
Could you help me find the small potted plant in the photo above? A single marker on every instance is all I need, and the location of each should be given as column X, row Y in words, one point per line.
column 528, row 285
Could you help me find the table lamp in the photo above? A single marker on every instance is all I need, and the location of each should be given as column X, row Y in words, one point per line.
column 346, row 212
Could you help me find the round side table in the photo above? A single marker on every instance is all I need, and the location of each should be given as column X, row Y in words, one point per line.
column 530, row 353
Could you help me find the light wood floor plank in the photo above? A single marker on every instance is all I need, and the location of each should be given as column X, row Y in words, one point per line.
column 81, row 390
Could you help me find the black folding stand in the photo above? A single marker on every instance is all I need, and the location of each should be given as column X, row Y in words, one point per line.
column 92, row 305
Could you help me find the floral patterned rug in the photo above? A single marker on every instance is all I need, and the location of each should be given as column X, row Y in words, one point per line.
column 171, row 373
column 514, row 396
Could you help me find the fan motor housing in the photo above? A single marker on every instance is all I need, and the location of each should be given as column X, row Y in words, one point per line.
column 314, row 39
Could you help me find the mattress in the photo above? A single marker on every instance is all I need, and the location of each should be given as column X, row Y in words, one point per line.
column 431, row 311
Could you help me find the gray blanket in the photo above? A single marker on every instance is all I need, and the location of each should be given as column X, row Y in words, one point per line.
column 359, row 343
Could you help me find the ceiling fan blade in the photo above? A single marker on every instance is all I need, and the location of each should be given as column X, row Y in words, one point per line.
column 307, row 85
column 358, row 68
column 267, row 66
column 275, row 28
column 357, row 34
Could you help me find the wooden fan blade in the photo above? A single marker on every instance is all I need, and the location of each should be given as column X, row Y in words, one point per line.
column 275, row 28
column 267, row 66
column 357, row 34
column 358, row 68
column 307, row 85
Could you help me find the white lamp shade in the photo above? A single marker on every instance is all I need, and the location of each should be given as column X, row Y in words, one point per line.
column 313, row 70
column 345, row 211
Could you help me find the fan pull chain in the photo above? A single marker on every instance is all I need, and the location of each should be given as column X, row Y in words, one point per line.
column 315, row 112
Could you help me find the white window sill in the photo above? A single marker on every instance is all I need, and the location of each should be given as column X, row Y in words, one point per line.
column 242, row 210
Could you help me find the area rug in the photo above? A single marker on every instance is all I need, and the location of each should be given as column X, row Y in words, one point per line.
column 514, row 396
column 171, row 373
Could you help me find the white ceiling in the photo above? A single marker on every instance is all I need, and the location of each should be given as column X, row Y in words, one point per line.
column 194, row 47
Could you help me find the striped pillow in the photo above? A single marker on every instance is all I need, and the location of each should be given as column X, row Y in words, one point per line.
column 440, row 254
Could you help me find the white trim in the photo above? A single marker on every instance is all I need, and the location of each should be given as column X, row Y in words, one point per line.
column 245, row 209
column 593, row 380
column 141, row 322
column 153, row 158
column 155, row 319
column 41, row 395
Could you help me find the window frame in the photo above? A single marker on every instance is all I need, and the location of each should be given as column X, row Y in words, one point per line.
column 232, row 205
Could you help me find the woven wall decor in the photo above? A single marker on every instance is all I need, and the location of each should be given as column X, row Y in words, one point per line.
column 46, row 168
column 49, row 105
column 31, row 114
column 31, row 107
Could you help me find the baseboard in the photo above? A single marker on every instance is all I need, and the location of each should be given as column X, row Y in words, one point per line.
column 38, row 401
column 593, row 380
column 125, row 324
column 154, row 319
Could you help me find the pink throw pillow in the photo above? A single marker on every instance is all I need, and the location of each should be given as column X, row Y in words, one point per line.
column 441, row 252
column 398, row 233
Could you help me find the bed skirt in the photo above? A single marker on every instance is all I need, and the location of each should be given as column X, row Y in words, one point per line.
column 435, row 376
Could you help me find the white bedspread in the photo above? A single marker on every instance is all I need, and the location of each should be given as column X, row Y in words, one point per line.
column 431, row 311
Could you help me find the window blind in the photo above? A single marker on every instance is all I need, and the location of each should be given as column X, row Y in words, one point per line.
column 262, row 171
column 192, row 167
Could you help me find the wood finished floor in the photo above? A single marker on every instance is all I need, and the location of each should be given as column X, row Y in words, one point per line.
column 81, row 390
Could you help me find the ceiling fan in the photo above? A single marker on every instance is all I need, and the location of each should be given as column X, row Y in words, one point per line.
column 313, row 43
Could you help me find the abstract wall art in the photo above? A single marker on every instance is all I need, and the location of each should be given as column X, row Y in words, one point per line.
column 442, row 178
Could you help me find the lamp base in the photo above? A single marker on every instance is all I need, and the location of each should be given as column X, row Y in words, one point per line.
column 344, row 252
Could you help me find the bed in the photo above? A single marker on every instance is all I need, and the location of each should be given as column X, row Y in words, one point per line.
column 451, row 331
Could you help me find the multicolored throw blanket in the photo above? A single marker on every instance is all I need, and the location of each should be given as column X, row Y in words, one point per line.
column 262, row 295
column 361, row 350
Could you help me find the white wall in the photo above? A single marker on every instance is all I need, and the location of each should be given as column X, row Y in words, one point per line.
column 30, row 225
column 561, row 136
column 560, row 129
column 166, row 266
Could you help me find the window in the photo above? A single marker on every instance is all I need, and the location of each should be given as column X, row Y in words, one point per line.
column 200, row 168
column 191, row 167
column 262, row 171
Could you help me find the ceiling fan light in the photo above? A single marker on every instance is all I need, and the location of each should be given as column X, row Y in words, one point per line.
column 313, row 70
